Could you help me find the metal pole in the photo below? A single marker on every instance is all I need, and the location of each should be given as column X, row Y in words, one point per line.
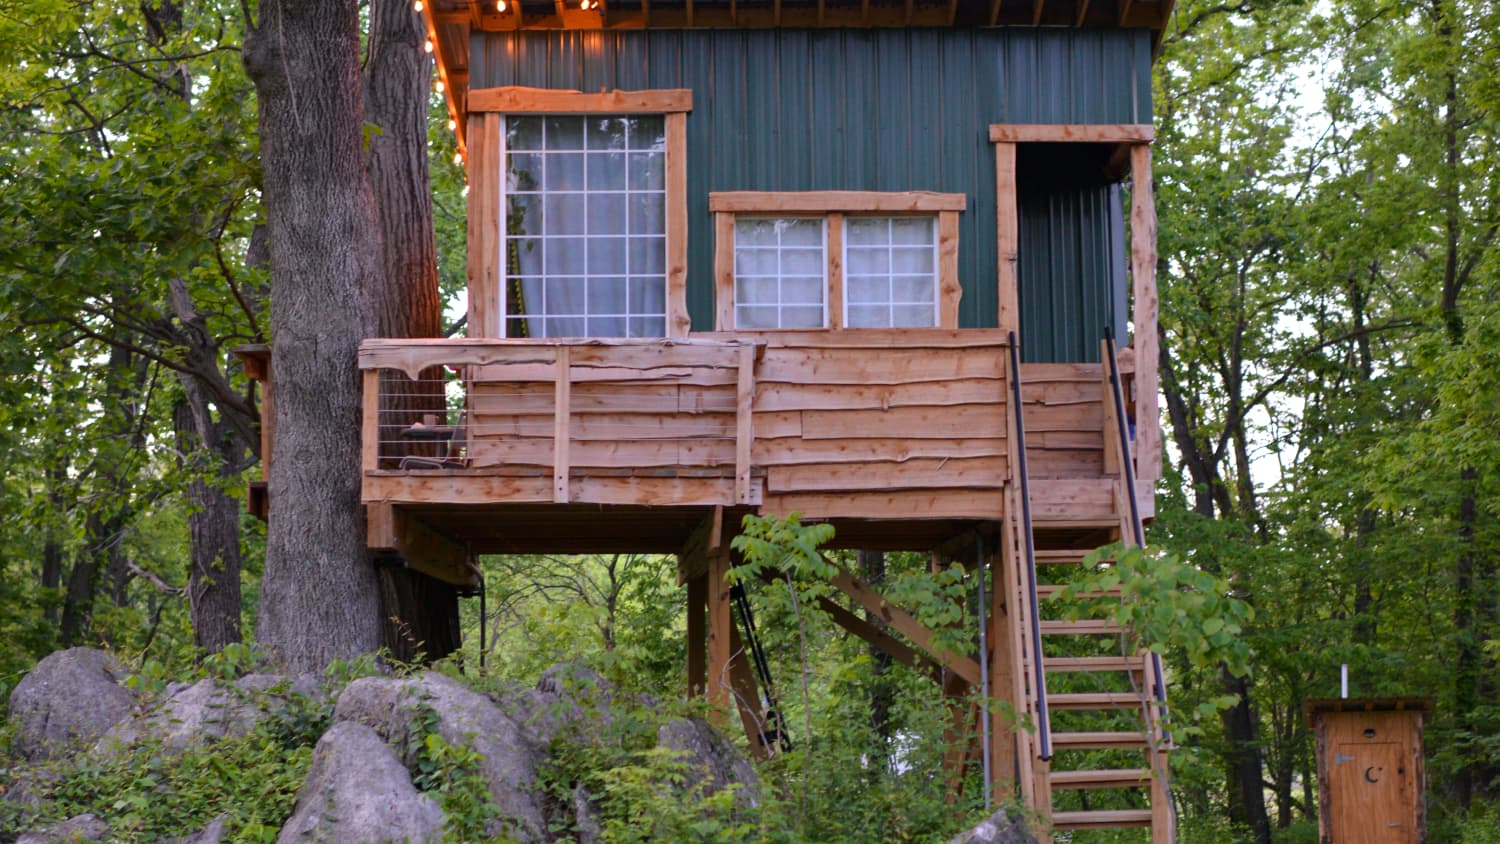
column 984, row 676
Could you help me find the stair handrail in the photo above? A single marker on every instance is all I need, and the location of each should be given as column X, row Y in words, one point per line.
column 1044, row 718
column 1127, row 474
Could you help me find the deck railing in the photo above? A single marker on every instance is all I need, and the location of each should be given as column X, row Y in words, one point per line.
column 590, row 417
column 873, row 424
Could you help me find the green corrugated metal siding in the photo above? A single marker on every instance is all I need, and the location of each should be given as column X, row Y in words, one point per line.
column 876, row 109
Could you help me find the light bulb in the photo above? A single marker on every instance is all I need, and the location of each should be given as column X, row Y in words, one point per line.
column 500, row 5
column 458, row 158
column 427, row 47
column 452, row 124
column 417, row 6
column 440, row 86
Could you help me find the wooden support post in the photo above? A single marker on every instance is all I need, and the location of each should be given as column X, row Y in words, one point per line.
column 746, row 695
column 1008, row 235
column 956, row 736
column 370, row 423
column 719, row 624
column 744, row 428
column 697, row 610
column 1011, row 627
column 1003, row 673
column 1143, row 280
column 562, row 428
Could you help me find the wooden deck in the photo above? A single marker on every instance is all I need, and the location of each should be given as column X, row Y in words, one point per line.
column 898, row 437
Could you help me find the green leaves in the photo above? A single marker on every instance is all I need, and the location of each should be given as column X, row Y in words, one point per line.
column 785, row 545
column 1166, row 605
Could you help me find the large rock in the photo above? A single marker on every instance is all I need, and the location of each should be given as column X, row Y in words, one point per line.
column 568, row 694
column 78, row 828
column 394, row 707
column 999, row 828
column 357, row 791
column 717, row 764
column 68, row 700
column 214, row 833
column 202, row 712
column 207, row 711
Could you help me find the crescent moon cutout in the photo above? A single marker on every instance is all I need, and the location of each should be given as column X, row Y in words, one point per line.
column 1369, row 778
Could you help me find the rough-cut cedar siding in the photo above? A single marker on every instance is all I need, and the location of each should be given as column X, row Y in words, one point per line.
column 785, row 110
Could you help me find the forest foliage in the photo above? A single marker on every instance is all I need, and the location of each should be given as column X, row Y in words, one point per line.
column 1330, row 279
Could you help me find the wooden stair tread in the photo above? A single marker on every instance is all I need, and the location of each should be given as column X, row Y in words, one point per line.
column 1059, row 521
column 1093, row 700
column 1100, row 741
column 1094, row 663
column 1047, row 590
column 1061, row 556
column 1081, row 627
column 1101, row 819
column 1108, row 778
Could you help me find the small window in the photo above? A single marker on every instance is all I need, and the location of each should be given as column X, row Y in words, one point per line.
column 839, row 259
column 780, row 272
column 890, row 272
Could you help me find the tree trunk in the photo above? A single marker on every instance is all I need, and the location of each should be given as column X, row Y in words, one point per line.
column 419, row 615
column 872, row 569
column 213, row 524
column 52, row 547
column 1247, row 800
column 416, row 609
column 319, row 594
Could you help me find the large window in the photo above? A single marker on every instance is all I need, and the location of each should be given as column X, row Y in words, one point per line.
column 836, row 260
column 577, row 212
column 585, row 245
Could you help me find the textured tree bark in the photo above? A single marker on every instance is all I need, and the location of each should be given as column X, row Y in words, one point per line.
column 872, row 569
column 319, row 594
column 420, row 614
column 213, row 524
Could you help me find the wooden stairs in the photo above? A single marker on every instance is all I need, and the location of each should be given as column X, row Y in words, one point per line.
column 1097, row 756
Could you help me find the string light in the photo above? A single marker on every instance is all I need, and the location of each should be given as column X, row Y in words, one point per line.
column 585, row 5
column 501, row 5
column 452, row 124
column 417, row 6
column 440, row 86
column 427, row 47
column 458, row 158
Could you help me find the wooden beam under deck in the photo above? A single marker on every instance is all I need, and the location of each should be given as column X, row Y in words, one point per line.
column 424, row 549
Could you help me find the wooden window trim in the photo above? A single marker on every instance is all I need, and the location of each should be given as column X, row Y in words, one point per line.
column 827, row 202
column 1134, row 141
column 835, row 207
column 487, row 107
column 1054, row 133
column 514, row 99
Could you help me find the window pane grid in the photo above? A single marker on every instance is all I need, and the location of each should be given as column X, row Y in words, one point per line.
column 781, row 272
column 585, row 244
column 890, row 278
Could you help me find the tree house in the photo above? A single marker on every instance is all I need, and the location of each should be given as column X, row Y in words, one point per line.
column 849, row 259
